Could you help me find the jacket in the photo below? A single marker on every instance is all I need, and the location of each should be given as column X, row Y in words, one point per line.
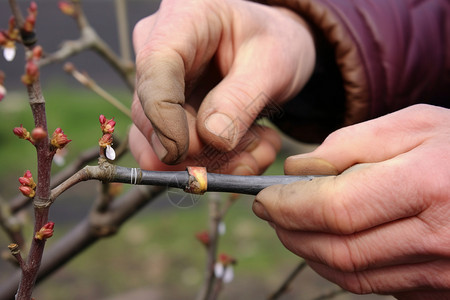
column 373, row 57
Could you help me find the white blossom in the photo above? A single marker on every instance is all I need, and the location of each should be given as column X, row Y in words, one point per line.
column 226, row 273
column 9, row 53
column 110, row 153
column 221, row 228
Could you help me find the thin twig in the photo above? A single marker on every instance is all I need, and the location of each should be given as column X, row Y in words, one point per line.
column 122, row 29
column 285, row 285
column 16, row 13
column 93, row 86
column 89, row 39
column 10, row 224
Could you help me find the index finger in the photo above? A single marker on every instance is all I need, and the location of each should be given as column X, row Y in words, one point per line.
column 170, row 53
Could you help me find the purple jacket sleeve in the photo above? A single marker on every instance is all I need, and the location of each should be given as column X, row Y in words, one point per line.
column 386, row 55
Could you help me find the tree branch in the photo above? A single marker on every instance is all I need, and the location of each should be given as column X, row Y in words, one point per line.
column 89, row 39
column 285, row 285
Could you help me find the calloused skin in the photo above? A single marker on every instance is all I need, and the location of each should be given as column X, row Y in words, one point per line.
column 198, row 58
column 378, row 224
column 382, row 224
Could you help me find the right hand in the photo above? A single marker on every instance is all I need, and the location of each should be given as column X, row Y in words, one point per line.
column 205, row 70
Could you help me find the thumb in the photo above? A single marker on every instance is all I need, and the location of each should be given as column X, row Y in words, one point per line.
column 371, row 141
column 297, row 165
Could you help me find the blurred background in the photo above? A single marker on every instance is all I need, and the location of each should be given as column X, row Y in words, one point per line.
column 155, row 255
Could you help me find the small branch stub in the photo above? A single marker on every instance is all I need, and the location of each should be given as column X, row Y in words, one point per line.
column 45, row 232
column 14, row 248
column 198, row 180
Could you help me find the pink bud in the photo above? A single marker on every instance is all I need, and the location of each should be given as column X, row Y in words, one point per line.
column 31, row 72
column 59, row 139
column 66, row 8
column 37, row 52
column 27, row 191
column 27, row 181
column 28, row 174
column 28, row 25
column 105, row 140
column 226, row 260
column 21, row 132
column 203, row 237
column 38, row 133
column 32, row 69
column 107, row 125
column 33, row 7
column 45, row 232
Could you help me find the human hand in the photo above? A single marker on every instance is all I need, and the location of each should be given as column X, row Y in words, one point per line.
column 205, row 70
column 381, row 225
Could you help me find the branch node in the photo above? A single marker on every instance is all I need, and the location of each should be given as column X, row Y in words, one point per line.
column 198, row 181
column 40, row 202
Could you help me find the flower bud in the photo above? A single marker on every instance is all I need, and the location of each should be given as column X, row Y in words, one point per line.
column 203, row 237
column 27, row 180
column 30, row 20
column 38, row 134
column 31, row 72
column 27, row 191
column 21, row 132
column 45, row 232
column 28, row 25
column 59, row 139
column 37, row 52
column 226, row 260
column 106, row 125
column 66, row 8
column 105, row 140
column 32, row 9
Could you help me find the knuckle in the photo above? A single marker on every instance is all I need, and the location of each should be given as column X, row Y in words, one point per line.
column 337, row 217
column 357, row 283
column 346, row 256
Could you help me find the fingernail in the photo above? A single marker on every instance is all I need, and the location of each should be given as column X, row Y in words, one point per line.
column 243, row 170
column 260, row 211
column 295, row 165
column 221, row 125
column 159, row 149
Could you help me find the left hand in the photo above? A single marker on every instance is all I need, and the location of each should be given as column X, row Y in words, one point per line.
column 383, row 224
